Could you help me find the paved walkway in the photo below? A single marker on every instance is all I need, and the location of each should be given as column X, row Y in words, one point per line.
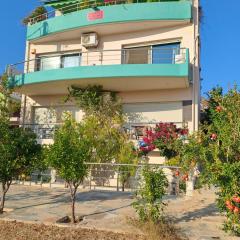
column 197, row 216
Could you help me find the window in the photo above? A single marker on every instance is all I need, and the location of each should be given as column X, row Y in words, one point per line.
column 54, row 114
column 56, row 62
column 155, row 54
column 187, row 111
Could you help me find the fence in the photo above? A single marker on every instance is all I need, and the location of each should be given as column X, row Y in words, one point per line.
column 105, row 176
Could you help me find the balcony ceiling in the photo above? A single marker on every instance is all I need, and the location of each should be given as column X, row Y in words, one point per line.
column 116, row 84
column 110, row 29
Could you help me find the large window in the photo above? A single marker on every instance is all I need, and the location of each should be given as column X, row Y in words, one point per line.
column 55, row 114
column 56, row 62
column 155, row 54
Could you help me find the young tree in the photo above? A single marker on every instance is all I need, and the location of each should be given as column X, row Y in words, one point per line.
column 7, row 104
column 68, row 154
column 222, row 160
column 104, row 115
column 126, row 155
column 149, row 204
column 19, row 151
column 19, row 154
column 216, row 148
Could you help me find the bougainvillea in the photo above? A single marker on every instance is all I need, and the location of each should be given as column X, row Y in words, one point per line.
column 165, row 137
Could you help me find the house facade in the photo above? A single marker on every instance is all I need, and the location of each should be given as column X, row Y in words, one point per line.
column 148, row 52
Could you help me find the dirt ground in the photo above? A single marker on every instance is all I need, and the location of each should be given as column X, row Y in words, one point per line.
column 23, row 231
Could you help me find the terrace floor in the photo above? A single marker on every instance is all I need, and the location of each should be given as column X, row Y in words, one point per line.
column 197, row 216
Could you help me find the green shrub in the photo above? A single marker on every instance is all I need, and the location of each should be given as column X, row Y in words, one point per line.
column 149, row 203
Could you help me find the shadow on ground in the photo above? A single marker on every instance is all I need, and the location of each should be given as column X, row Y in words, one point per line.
column 208, row 211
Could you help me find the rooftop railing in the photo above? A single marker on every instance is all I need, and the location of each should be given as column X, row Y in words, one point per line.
column 144, row 55
column 87, row 4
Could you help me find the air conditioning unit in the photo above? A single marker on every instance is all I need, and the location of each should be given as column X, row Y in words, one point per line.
column 89, row 40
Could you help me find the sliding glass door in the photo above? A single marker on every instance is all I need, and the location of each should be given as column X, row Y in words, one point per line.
column 165, row 53
column 137, row 55
column 155, row 54
column 56, row 62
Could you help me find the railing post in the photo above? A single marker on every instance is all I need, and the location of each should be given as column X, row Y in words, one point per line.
column 90, row 178
column 117, row 180
column 41, row 180
column 101, row 57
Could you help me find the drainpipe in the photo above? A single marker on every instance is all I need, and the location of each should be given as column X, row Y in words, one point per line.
column 192, row 177
column 195, row 60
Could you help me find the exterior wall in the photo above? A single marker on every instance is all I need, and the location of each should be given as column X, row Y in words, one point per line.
column 157, row 96
column 116, row 42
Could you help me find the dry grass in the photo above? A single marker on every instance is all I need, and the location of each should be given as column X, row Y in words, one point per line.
column 25, row 231
column 160, row 231
column 12, row 230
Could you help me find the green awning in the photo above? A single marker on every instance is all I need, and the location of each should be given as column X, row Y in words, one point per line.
column 60, row 3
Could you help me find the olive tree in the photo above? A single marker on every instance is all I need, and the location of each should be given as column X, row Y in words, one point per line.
column 68, row 154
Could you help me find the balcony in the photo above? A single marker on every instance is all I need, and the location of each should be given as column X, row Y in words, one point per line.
column 134, row 130
column 136, row 69
column 99, row 16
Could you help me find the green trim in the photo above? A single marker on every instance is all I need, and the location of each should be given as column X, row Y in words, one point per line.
column 112, row 14
column 104, row 71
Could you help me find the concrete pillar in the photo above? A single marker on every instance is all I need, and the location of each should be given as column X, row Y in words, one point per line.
column 53, row 175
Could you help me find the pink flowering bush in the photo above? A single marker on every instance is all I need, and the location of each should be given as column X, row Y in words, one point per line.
column 166, row 137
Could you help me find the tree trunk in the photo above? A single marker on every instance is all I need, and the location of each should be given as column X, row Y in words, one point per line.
column 5, row 187
column 73, row 209
column 123, row 186
column 2, row 203
column 73, row 190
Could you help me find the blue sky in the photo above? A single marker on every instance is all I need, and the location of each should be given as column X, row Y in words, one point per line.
column 220, row 33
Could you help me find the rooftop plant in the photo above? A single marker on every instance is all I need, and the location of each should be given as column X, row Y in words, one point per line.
column 38, row 13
